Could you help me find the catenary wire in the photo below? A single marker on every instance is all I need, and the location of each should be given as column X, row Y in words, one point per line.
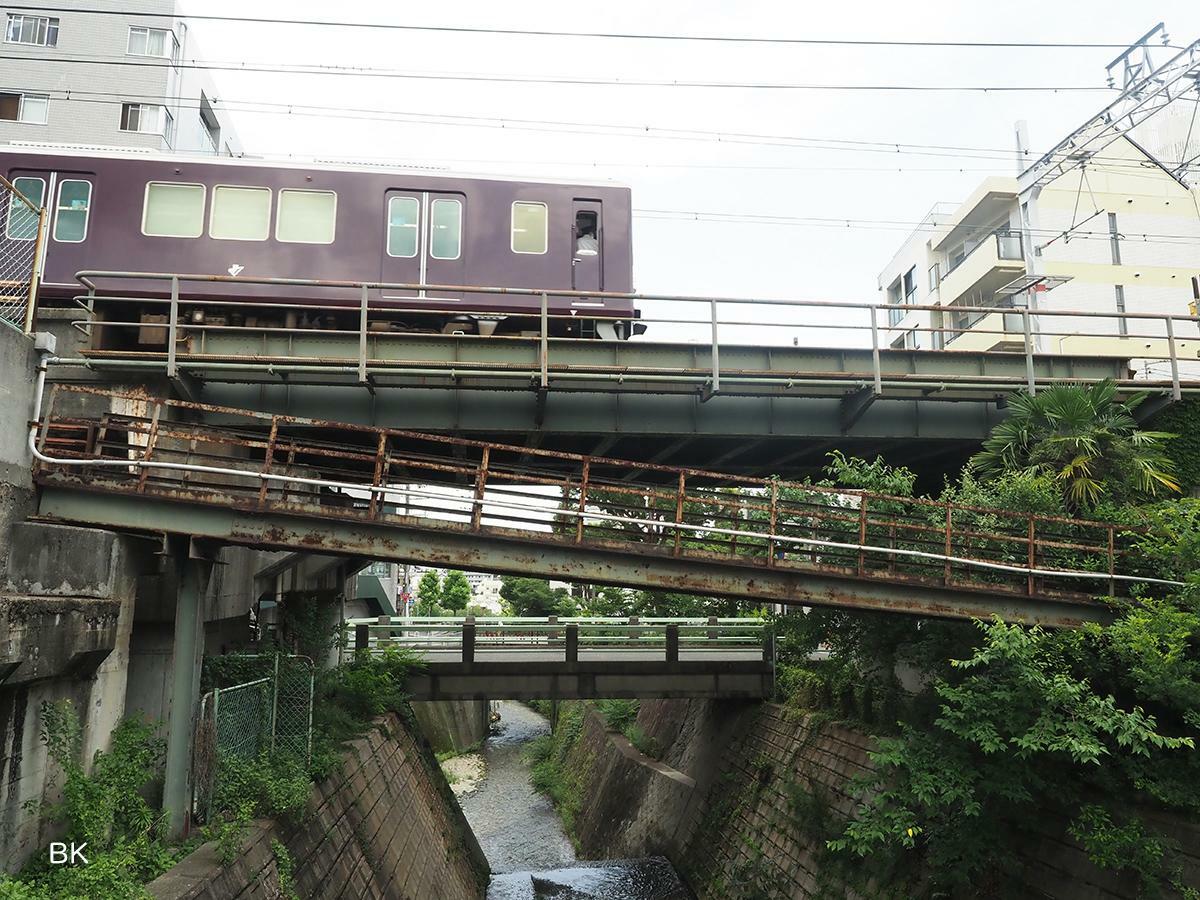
column 574, row 81
column 567, row 127
column 525, row 32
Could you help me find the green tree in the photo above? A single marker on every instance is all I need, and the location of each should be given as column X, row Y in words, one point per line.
column 1086, row 440
column 535, row 597
column 456, row 591
column 429, row 594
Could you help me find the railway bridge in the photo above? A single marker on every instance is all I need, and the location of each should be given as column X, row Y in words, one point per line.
column 750, row 386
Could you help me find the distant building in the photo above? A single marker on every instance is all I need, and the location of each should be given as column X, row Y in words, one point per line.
column 1106, row 259
column 108, row 79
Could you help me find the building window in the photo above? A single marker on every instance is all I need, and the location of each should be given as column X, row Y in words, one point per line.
column 173, row 210
column 158, row 42
column 306, row 217
column 22, row 221
column 910, row 285
column 445, row 229
column 39, row 31
column 934, row 278
column 240, row 213
column 530, row 224
column 1122, row 322
column 32, row 109
column 403, row 219
column 895, row 314
column 1114, row 239
column 71, row 213
column 148, row 118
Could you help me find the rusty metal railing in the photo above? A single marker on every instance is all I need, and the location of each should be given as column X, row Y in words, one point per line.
column 1167, row 345
column 22, row 240
column 413, row 480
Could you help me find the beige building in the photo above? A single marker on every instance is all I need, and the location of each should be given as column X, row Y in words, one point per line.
column 108, row 73
column 1121, row 235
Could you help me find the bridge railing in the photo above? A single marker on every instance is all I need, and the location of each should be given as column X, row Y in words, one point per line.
column 259, row 462
column 1165, row 347
column 466, row 638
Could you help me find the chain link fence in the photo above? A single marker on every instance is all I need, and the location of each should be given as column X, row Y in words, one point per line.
column 271, row 714
column 22, row 231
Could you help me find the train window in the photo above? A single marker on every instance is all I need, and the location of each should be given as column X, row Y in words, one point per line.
column 173, row 209
column 240, row 213
column 306, row 217
column 529, row 227
column 22, row 221
column 445, row 229
column 403, row 213
column 74, row 206
column 587, row 233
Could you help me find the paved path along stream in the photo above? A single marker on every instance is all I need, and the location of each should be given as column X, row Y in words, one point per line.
column 523, row 838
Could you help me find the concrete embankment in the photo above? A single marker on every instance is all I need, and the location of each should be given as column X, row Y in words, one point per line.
column 452, row 726
column 386, row 825
column 744, row 797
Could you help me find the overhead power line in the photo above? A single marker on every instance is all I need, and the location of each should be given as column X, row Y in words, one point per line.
column 897, row 224
column 600, row 35
column 565, row 127
column 571, row 80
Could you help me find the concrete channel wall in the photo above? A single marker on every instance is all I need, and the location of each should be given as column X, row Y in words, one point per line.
column 744, row 796
column 453, row 725
column 385, row 826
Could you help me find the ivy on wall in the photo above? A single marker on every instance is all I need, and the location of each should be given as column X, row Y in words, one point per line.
column 1182, row 419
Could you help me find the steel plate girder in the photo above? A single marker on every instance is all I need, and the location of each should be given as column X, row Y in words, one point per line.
column 476, row 412
column 548, row 558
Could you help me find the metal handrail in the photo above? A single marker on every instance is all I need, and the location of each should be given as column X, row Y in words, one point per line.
column 759, row 525
column 712, row 322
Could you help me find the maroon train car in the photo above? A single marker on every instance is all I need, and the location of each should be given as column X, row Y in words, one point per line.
column 131, row 212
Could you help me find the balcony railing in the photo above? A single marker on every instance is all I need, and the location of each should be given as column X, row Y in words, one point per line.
column 1008, row 247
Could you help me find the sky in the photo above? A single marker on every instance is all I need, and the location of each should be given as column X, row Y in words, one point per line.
column 709, row 174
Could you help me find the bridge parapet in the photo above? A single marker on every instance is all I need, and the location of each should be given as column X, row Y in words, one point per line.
column 470, row 639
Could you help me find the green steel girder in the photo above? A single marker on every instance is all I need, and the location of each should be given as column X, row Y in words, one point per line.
column 566, row 357
column 70, row 500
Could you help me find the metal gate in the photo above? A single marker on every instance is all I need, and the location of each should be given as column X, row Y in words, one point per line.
column 22, row 236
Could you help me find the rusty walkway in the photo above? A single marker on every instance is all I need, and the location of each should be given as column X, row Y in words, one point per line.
column 303, row 484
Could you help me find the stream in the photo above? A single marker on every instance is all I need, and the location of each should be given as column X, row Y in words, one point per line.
column 523, row 838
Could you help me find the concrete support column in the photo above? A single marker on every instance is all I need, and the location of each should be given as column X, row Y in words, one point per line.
column 185, row 682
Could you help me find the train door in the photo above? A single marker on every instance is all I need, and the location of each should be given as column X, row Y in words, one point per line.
column 587, row 264
column 67, row 197
column 424, row 243
column 19, row 225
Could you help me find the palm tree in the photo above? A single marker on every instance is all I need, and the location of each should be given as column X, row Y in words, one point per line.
column 1085, row 439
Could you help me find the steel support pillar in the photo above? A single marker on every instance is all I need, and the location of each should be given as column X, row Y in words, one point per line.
column 185, row 681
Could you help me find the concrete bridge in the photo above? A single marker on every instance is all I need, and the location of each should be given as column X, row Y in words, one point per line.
column 337, row 489
column 576, row 658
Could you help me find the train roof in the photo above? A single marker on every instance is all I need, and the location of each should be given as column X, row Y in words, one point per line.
column 132, row 153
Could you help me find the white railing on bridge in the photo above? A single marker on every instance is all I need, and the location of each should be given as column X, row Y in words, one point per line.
column 464, row 638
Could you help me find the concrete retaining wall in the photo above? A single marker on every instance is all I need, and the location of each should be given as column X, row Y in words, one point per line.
column 386, row 826
column 768, row 786
column 452, row 725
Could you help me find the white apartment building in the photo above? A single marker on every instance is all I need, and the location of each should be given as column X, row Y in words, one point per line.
column 107, row 79
column 1120, row 235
